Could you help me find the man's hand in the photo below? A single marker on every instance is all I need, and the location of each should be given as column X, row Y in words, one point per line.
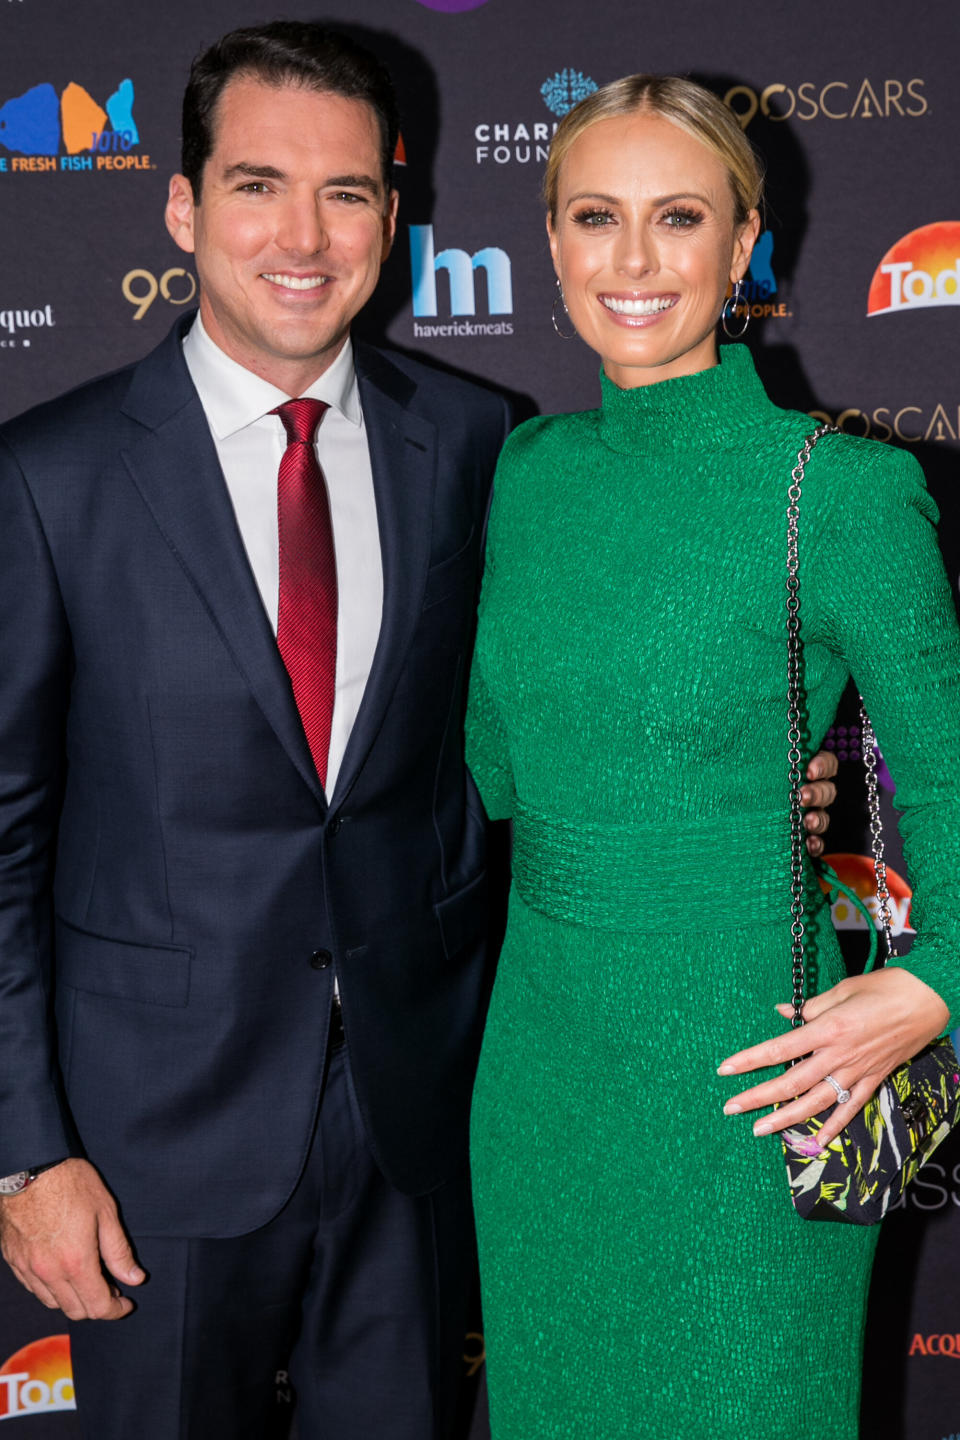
column 61, row 1235
column 816, row 796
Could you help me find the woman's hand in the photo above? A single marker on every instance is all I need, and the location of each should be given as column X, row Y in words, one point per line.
column 858, row 1032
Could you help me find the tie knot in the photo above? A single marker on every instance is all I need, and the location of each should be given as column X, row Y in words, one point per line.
column 300, row 418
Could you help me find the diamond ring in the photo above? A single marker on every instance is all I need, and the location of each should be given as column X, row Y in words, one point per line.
column 842, row 1095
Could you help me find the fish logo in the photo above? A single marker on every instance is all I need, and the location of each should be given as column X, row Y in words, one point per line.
column 39, row 120
column 37, row 1379
column 762, row 282
column 858, row 874
column 921, row 270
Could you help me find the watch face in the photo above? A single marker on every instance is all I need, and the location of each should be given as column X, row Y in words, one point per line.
column 13, row 1184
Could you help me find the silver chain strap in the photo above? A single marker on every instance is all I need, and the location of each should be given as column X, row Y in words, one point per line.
column 794, row 720
column 869, row 741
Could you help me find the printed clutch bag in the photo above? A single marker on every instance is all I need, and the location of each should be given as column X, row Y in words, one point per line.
column 868, row 1166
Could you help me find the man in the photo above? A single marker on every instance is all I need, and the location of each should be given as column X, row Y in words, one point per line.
column 235, row 824
column 201, row 860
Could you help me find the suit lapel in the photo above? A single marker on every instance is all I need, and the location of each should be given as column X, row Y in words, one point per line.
column 403, row 458
column 175, row 468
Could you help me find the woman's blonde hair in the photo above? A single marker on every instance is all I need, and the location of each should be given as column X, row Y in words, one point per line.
column 689, row 106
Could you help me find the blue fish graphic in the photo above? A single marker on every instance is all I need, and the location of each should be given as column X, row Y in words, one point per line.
column 30, row 123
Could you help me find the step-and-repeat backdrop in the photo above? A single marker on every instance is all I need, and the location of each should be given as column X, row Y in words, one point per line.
column 854, row 293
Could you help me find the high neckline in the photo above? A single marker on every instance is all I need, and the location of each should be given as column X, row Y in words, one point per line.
column 691, row 408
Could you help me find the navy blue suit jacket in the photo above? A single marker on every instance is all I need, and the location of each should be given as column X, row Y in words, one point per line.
column 169, row 864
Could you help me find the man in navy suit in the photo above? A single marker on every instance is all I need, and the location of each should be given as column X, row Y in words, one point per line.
column 243, row 969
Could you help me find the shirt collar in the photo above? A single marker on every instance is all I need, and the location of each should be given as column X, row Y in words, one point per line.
column 233, row 397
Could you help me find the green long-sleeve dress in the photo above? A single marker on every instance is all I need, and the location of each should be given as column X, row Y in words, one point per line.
column 644, row 1274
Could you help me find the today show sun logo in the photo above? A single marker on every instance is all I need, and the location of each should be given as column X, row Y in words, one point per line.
column 921, row 270
column 858, row 874
column 37, row 1379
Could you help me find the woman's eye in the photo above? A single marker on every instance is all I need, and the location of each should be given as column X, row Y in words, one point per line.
column 682, row 219
column 593, row 218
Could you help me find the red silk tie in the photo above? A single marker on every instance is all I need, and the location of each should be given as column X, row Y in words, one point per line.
column 307, row 614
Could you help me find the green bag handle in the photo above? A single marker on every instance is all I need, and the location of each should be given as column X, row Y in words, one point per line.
column 837, row 888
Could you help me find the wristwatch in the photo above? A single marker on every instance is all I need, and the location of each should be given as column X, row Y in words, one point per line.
column 16, row 1183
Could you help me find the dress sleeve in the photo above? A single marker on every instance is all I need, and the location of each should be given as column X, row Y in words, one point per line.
column 890, row 614
column 488, row 756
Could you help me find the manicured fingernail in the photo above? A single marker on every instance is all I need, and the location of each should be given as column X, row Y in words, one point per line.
column 762, row 1127
column 732, row 1108
column 726, row 1069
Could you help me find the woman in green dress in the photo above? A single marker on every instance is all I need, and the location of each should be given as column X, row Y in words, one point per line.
column 644, row 1274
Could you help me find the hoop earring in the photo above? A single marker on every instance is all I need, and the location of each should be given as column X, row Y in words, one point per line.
column 553, row 313
column 730, row 306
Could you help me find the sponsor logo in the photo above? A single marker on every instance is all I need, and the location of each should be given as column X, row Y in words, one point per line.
column 910, row 424
column 761, row 282
column 933, row 1188
column 37, row 1379
column 857, row 873
column 37, row 127
column 834, row 100
column 461, row 270
column 475, row 1353
column 141, row 288
column 18, row 327
column 566, row 89
column 844, row 741
column 283, row 1387
column 507, row 141
column 921, row 270
column 947, row 1345
column 760, row 286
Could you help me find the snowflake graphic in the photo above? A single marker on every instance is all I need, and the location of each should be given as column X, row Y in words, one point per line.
column 566, row 89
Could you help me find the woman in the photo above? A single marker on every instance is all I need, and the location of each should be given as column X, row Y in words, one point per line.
column 644, row 1273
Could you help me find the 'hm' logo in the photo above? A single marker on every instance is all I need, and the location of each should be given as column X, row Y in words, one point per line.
column 461, row 269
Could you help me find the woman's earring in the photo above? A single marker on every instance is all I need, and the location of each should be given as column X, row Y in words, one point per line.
column 730, row 307
column 558, row 299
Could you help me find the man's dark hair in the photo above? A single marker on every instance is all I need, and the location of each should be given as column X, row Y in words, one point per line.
column 284, row 52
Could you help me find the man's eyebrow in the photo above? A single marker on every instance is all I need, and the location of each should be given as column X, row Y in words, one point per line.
column 243, row 169
column 373, row 183
column 253, row 172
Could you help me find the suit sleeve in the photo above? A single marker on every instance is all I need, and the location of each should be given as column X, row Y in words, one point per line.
column 890, row 613
column 35, row 662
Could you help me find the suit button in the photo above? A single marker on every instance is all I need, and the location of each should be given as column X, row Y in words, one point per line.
column 334, row 827
column 320, row 959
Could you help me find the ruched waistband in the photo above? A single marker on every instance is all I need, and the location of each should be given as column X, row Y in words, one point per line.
column 718, row 873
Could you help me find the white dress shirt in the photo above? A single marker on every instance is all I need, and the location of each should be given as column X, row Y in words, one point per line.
column 250, row 443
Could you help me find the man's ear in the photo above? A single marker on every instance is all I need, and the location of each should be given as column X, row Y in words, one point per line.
column 180, row 211
column 389, row 224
